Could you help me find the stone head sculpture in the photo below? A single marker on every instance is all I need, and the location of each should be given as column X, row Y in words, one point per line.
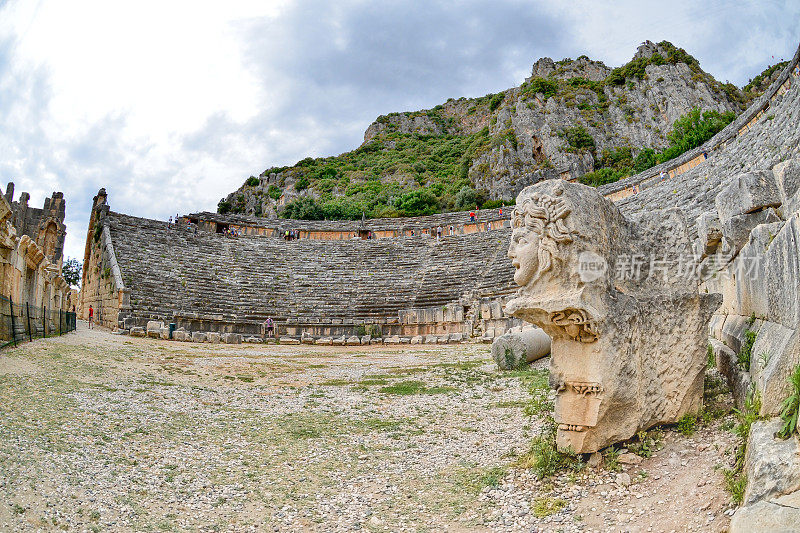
column 614, row 351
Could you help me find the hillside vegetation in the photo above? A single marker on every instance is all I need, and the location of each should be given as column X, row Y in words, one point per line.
column 589, row 122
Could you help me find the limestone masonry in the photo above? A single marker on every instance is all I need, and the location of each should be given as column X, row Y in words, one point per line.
column 631, row 281
column 31, row 249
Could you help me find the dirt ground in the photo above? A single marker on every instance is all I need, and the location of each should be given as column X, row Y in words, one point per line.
column 101, row 432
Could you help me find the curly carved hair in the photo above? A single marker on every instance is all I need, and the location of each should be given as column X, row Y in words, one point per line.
column 544, row 215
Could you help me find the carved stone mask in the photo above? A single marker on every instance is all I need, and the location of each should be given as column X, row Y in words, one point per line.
column 538, row 231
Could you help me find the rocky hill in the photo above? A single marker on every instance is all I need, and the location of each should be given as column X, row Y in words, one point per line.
column 574, row 119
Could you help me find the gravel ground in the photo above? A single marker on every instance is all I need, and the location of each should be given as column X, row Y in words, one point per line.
column 104, row 432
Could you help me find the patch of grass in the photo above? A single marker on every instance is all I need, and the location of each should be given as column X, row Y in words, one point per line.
column 510, row 403
column 544, row 458
column 546, row 505
column 369, row 382
column 711, row 360
column 538, row 385
column 461, row 365
column 746, row 352
column 245, row 377
column 405, row 388
column 336, row 382
column 17, row 509
column 475, row 481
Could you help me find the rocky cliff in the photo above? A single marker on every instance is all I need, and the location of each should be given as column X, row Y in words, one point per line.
column 570, row 117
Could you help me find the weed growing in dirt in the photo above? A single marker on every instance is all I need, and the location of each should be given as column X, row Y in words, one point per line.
column 746, row 352
column 735, row 478
column 544, row 458
column 711, row 360
column 647, row 443
column 611, row 459
column 687, row 425
column 791, row 406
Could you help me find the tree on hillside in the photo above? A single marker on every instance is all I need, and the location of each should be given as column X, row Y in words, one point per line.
column 71, row 271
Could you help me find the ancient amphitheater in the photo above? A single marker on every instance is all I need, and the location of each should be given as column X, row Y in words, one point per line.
column 395, row 281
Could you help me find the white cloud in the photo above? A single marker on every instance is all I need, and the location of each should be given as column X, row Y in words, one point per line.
column 170, row 105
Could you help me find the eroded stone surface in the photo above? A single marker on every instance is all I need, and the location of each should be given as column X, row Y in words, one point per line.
column 629, row 334
column 515, row 348
column 772, row 465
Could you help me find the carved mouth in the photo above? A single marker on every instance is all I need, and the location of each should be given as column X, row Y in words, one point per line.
column 515, row 263
column 572, row 427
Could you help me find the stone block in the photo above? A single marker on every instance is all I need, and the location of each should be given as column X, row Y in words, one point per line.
column 775, row 354
column 138, row 331
column 212, row 337
column 289, row 340
column 727, row 364
column 154, row 333
column 709, row 233
column 431, row 339
column 324, row 341
column 394, row 339
column 747, row 193
column 442, row 339
column 514, row 350
column 164, row 333
column 339, row 341
column 772, row 465
column 179, row 336
column 417, row 339
column 787, row 178
column 353, row 341
column 597, row 365
column 779, row 515
column 306, row 338
column 253, row 339
column 198, row 336
column 736, row 230
column 154, row 325
column 456, row 337
column 231, row 338
column 366, row 339
column 405, row 340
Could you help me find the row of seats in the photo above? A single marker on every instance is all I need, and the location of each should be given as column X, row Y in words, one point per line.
column 173, row 269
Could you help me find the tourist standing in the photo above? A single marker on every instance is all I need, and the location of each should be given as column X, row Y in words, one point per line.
column 91, row 316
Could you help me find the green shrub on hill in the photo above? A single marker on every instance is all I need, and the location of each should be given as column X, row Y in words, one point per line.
column 689, row 131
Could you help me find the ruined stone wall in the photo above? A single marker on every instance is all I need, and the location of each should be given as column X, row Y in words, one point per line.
column 102, row 287
column 28, row 276
column 45, row 226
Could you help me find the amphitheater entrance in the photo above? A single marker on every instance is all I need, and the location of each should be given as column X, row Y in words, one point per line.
column 222, row 228
column 363, row 234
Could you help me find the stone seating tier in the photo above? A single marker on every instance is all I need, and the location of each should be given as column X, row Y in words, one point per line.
column 207, row 281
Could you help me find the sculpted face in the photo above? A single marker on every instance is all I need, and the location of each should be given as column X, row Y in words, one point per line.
column 524, row 254
column 538, row 232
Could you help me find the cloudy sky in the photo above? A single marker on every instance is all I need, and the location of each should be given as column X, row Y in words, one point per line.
column 170, row 105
